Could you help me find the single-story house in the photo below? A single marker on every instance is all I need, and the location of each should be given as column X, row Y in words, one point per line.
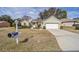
column 4, row 24
column 25, row 22
column 68, row 22
column 51, row 23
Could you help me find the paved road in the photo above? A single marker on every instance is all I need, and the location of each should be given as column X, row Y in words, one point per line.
column 67, row 41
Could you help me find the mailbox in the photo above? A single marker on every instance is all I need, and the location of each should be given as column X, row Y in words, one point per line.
column 13, row 34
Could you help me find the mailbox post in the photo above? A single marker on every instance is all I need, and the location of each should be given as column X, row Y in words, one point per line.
column 15, row 34
column 16, row 38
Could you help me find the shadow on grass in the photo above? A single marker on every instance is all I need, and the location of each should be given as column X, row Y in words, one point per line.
column 26, row 39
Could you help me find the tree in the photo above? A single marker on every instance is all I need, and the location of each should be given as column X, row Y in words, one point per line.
column 26, row 17
column 58, row 13
column 6, row 18
column 51, row 11
column 45, row 14
column 62, row 14
column 41, row 15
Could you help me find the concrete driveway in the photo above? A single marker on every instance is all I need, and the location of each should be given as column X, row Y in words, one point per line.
column 67, row 41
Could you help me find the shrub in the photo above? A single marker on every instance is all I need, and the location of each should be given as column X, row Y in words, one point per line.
column 61, row 27
column 44, row 27
column 77, row 26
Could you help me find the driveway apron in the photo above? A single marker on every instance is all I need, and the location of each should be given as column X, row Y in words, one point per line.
column 67, row 41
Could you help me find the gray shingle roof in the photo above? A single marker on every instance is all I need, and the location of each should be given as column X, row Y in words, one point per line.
column 51, row 19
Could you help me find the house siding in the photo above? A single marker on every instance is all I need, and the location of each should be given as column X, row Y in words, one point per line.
column 24, row 23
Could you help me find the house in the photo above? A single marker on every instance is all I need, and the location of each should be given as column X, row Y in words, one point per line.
column 4, row 24
column 51, row 23
column 25, row 21
column 36, row 23
column 68, row 22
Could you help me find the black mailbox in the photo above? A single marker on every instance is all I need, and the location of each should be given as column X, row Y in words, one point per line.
column 13, row 34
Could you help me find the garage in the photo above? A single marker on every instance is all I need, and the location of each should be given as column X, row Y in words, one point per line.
column 51, row 23
column 51, row 26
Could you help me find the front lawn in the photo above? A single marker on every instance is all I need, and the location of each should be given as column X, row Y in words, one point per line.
column 29, row 40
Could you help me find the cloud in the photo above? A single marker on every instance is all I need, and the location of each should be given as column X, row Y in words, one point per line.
column 73, row 14
column 17, row 12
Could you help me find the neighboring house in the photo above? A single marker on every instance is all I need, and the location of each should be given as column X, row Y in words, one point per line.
column 4, row 24
column 68, row 22
column 36, row 23
column 24, row 23
column 51, row 23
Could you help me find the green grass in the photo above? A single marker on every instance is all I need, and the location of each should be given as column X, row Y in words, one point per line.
column 29, row 40
column 71, row 29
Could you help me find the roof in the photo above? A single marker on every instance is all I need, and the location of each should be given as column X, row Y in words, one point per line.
column 37, row 20
column 3, row 21
column 67, row 20
column 4, row 24
column 52, row 19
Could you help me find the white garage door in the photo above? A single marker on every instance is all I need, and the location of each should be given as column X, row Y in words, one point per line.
column 51, row 26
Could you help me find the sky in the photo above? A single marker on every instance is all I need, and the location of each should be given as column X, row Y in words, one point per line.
column 18, row 12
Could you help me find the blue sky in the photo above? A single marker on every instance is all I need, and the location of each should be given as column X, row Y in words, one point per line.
column 18, row 12
column 72, row 12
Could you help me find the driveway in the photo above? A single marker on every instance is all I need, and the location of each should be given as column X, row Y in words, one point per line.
column 67, row 41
